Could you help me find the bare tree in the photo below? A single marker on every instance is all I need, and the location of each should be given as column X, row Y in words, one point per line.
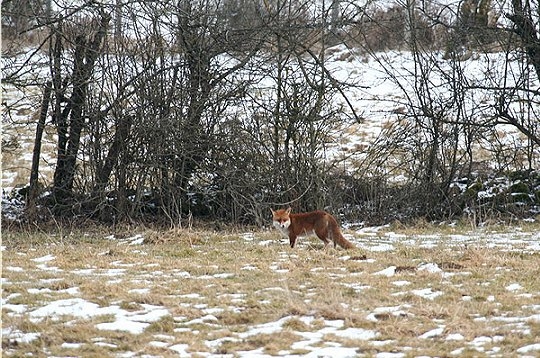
column 452, row 126
column 87, row 49
column 220, row 109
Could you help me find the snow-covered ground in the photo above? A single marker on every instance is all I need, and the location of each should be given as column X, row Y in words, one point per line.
column 61, row 306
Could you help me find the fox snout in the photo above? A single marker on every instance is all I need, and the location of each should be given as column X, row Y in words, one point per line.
column 282, row 224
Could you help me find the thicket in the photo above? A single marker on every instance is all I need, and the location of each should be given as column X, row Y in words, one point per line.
column 178, row 109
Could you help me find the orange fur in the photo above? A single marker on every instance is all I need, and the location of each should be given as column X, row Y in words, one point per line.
column 318, row 222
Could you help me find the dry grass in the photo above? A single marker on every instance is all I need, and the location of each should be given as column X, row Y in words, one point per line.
column 231, row 285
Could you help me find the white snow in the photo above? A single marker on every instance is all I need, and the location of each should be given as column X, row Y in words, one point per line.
column 140, row 291
column 432, row 333
column 514, row 287
column 14, row 309
column 180, row 349
column 71, row 345
column 529, row 348
column 396, row 311
column 202, row 320
column 427, row 293
column 390, row 355
column 13, row 335
column 14, row 269
column 133, row 322
column 455, row 337
column 45, row 258
column 429, row 267
column 72, row 306
column 356, row 333
column 388, row 272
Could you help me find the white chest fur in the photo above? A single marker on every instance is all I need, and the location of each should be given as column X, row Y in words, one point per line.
column 283, row 227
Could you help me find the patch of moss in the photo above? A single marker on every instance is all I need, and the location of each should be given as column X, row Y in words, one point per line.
column 519, row 175
column 519, row 187
column 521, row 198
column 472, row 191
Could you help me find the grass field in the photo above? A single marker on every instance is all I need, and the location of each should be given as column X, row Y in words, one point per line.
column 431, row 291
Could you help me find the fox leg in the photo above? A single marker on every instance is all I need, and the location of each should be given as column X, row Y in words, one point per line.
column 329, row 239
column 323, row 235
column 292, row 240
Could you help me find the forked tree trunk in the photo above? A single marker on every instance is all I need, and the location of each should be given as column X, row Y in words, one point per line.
column 86, row 53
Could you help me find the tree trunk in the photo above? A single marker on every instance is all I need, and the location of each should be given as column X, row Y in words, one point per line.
column 525, row 28
column 34, row 172
column 86, row 53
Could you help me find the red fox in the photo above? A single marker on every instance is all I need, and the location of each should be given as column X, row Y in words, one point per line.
column 319, row 222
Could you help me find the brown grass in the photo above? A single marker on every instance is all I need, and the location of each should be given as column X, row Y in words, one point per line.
column 240, row 284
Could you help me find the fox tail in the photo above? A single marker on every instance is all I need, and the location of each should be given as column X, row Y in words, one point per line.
column 343, row 242
column 339, row 239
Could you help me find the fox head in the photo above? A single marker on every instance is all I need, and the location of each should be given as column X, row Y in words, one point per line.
column 281, row 218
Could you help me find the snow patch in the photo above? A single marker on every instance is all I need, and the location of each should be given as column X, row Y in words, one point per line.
column 388, row 272
column 427, row 293
column 14, row 335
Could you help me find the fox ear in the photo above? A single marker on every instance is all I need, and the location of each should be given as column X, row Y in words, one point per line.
column 288, row 211
column 272, row 210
